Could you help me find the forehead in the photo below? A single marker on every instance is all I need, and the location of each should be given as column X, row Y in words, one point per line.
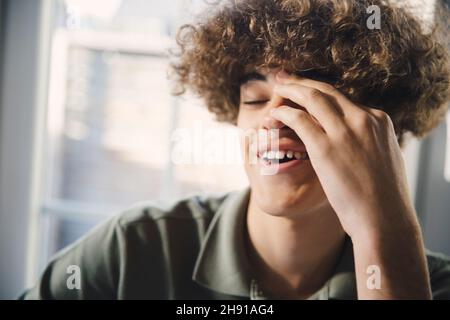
column 258, row 74
column 265, row 71
column 266, row 74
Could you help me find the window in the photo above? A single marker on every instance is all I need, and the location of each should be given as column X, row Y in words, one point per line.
column 111, row 118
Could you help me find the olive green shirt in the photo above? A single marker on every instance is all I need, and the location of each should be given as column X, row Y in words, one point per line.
column 190, row 249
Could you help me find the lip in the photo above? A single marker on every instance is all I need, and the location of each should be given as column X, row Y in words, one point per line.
column 278, row 168
column 282, row 146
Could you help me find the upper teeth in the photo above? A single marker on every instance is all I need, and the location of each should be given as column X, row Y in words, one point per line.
column 272, row 155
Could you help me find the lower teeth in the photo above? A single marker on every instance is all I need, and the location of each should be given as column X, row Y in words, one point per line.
column 284, row 160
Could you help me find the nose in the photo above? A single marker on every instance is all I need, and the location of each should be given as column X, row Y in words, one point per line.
column 271, row 123
column 277, row 101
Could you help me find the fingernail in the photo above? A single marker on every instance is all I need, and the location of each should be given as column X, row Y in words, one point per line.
column 283, row 75
column 273, row 111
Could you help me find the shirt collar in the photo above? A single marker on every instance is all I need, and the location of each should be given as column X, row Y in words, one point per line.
column 342, row 283
column 222, row 264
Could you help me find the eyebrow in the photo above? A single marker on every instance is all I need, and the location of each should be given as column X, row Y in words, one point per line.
column 252, row 76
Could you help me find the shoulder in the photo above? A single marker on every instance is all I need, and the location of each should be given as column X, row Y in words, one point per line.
column 135, row 239
column 147, row 225
column 439, row 268
column 153, row 223
column 147, row 219
column 193, row 207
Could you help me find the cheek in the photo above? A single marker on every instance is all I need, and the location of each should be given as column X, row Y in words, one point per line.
column 241, row 119
column 249, row 118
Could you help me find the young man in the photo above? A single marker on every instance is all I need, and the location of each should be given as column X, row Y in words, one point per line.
column 335, row 220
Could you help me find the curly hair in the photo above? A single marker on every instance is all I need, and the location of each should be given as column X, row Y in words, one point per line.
column 398, row 68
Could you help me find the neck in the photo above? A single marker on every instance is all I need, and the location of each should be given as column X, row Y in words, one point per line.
column 293, row 257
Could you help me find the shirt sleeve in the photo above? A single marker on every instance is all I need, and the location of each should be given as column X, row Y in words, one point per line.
column 88, row 269
column 440, row 276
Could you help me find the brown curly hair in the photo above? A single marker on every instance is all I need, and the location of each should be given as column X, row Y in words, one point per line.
column 398, row 68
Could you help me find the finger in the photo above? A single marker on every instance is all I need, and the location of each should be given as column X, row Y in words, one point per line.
column 302, row 123
column 377, row 113
column 315, row 102
column 381, row 117
column 344, row 105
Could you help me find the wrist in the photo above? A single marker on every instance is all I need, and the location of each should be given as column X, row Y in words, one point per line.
column 401, row 265
column 379, row 243
column 386, row 229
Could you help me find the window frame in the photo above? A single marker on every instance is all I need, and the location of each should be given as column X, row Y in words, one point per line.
column 63, row 40
column 25, row 40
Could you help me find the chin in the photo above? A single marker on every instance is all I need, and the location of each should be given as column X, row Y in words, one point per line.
column 282, row 197
column 278, row 203
column 279, row 208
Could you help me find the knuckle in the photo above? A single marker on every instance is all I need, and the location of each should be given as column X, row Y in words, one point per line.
column 329, row 88
column 378, row 113
column 301, row 116
column 314, row 94
column 383, row 118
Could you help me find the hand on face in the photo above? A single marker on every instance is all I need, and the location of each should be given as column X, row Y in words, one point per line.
column 353, row 150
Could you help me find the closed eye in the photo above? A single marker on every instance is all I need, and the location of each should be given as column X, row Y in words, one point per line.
column 253, row 102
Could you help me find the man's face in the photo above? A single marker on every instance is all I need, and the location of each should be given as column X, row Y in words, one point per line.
column 282, row 187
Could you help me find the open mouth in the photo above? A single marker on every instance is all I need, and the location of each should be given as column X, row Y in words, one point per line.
column 279, row 157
